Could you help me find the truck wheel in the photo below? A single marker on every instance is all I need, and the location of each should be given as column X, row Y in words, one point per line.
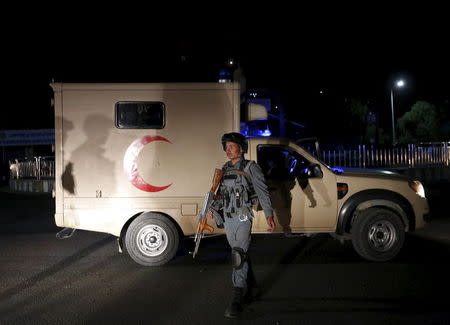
column 378, row 234
column 151, row 239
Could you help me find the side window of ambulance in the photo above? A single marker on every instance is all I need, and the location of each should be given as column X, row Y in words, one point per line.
column 279, row 162
column 140, row 115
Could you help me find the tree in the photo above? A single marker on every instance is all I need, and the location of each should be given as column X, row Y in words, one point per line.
column 420, row 124
column 377, row 135
column 444, row 118
column 356, row 117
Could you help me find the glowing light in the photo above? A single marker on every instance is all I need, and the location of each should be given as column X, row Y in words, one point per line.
column 265, row 133
column 224, row 76
column 337, row 170
column 418, row 188
column 293, row 164
column 400, row 83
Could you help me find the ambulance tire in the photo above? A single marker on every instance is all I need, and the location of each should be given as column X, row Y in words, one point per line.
column 378, row 234
column 151, row 239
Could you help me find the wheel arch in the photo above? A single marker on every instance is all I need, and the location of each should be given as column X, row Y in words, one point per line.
column 375, row 198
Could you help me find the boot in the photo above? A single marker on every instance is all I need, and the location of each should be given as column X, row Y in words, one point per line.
column 235, row 309
column 252, row 293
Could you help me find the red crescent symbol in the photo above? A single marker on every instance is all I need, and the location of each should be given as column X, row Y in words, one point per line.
column 130, row 163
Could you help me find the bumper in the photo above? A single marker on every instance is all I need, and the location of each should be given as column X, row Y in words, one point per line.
column 422, row 212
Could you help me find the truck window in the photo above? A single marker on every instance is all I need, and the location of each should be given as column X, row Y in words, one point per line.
column 279, row 162
column 140, row 115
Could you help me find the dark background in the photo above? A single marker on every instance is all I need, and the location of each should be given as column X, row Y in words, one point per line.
column 345, row 52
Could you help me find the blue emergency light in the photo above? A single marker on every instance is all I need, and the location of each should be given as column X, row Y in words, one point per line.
column 224, row 75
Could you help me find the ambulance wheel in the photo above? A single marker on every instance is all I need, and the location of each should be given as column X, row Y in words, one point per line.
column 378, row 234
column 151, row 239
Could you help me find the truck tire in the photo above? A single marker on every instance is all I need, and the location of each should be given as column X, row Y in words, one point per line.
column 151, row 239
column 378, row 234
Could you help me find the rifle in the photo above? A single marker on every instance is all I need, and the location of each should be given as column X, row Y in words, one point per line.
column 202, row 219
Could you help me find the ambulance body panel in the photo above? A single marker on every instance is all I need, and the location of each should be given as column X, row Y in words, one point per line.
column 99, row 166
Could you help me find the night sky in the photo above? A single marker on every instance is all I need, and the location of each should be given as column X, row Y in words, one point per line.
column 296, row 53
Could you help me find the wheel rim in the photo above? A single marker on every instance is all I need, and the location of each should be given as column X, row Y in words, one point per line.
column 382, row 235
column 152, row 240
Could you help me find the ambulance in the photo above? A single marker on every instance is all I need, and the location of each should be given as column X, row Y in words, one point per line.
column 135, row 160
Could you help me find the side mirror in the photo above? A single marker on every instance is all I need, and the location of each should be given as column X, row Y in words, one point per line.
column 314, row 171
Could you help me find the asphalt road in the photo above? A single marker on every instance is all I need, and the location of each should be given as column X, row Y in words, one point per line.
column 315, row 280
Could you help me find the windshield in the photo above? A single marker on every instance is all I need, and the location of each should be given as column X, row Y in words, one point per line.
column 311, row 145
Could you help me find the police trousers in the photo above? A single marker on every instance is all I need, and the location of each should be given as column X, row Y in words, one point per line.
column 238, row 235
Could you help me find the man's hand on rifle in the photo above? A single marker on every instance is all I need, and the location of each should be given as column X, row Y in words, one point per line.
column 210, row 214
column 271, row 224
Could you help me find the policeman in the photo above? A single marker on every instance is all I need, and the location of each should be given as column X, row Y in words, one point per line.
column 243, row 186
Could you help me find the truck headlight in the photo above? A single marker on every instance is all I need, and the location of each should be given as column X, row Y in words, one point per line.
column 418, row 188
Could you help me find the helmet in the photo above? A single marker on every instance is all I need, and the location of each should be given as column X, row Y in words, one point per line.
column 236, row 138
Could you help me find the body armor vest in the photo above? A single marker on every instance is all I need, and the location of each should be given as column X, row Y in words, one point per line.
column 237, row 189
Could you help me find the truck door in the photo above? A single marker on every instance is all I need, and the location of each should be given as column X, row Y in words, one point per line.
column 301, row 203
